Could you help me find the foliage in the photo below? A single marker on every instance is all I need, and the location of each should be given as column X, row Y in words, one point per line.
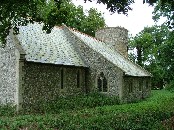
column 164, row 8
column 118, row 6
column 87, row 22
column 79, row 102
column 21, row 12
column 92, row 22
column 167, row 56
column 170, row 86
column 18, row 12
column 149, row 114
column 7, row 110
column 150, row 43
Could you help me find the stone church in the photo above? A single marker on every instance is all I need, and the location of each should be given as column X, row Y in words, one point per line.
column 35, row 66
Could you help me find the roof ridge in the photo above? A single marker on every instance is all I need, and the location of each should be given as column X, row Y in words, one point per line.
column 120, row 27
column 58, row 26
column 74, row 29
column 116, row 51
column 95, row 38
column 71, row 30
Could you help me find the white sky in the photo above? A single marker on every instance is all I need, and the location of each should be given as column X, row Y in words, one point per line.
column 137, row 19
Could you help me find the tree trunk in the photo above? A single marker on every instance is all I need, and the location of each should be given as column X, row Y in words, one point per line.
column 139, row 55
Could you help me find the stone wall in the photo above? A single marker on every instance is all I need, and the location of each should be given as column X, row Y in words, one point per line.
column 42, row 82
column 8, row 73
column 141, row 88
column 115, row 37
column 97, row 64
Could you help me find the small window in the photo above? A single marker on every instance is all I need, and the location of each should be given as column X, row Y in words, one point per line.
column 105, row 88
column 147, row 84
column 102, row 83
column 99, row 84
column 78, row 79
column 62, row 78
column 140, row 85
column 130, row 86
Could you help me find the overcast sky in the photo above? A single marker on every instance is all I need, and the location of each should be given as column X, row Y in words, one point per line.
column 137, row 19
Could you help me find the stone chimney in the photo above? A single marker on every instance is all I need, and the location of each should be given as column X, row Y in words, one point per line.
column 114, row 37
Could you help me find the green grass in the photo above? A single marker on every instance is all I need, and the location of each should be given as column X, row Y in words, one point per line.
column 147, row 114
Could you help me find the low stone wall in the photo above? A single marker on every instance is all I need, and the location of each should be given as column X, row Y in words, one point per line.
column 42, row 82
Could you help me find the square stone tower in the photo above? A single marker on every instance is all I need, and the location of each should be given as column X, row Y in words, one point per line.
column 115, row 38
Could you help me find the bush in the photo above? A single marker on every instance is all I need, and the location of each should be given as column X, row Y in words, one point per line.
column 79, row 102
column 170, row 86
column 7, row 110
column 145, row 115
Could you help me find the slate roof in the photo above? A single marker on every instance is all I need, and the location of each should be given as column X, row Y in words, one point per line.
column 112, row 55
column 55, row 48
column 52, row 48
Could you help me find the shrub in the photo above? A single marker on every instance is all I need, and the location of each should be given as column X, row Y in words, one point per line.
column 148, row 114
column 7, row 110
column 78, row 102
column 170, row 86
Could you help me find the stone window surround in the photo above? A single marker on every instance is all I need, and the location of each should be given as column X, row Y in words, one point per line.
column 102, row 82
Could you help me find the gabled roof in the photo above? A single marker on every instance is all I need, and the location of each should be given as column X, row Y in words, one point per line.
column 56, row 48
column 112, row 55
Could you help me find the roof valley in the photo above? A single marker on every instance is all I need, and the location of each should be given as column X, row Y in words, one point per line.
column 76, row 48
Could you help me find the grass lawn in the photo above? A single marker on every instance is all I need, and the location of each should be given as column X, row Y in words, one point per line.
column 156, row 112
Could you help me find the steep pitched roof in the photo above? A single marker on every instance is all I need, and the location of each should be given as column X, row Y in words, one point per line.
column 54, row 48
column 112, row 55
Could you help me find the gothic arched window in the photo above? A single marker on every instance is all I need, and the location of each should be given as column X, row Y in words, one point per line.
column 102, row 83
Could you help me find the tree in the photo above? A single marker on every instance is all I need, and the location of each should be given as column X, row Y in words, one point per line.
column 17, row 12
column 87, row 22
column 167, row 60
column 92, row 22
column 51, row 13
column 14, row 13
column 167, row 56
column 165, row 8
column 149, row 44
